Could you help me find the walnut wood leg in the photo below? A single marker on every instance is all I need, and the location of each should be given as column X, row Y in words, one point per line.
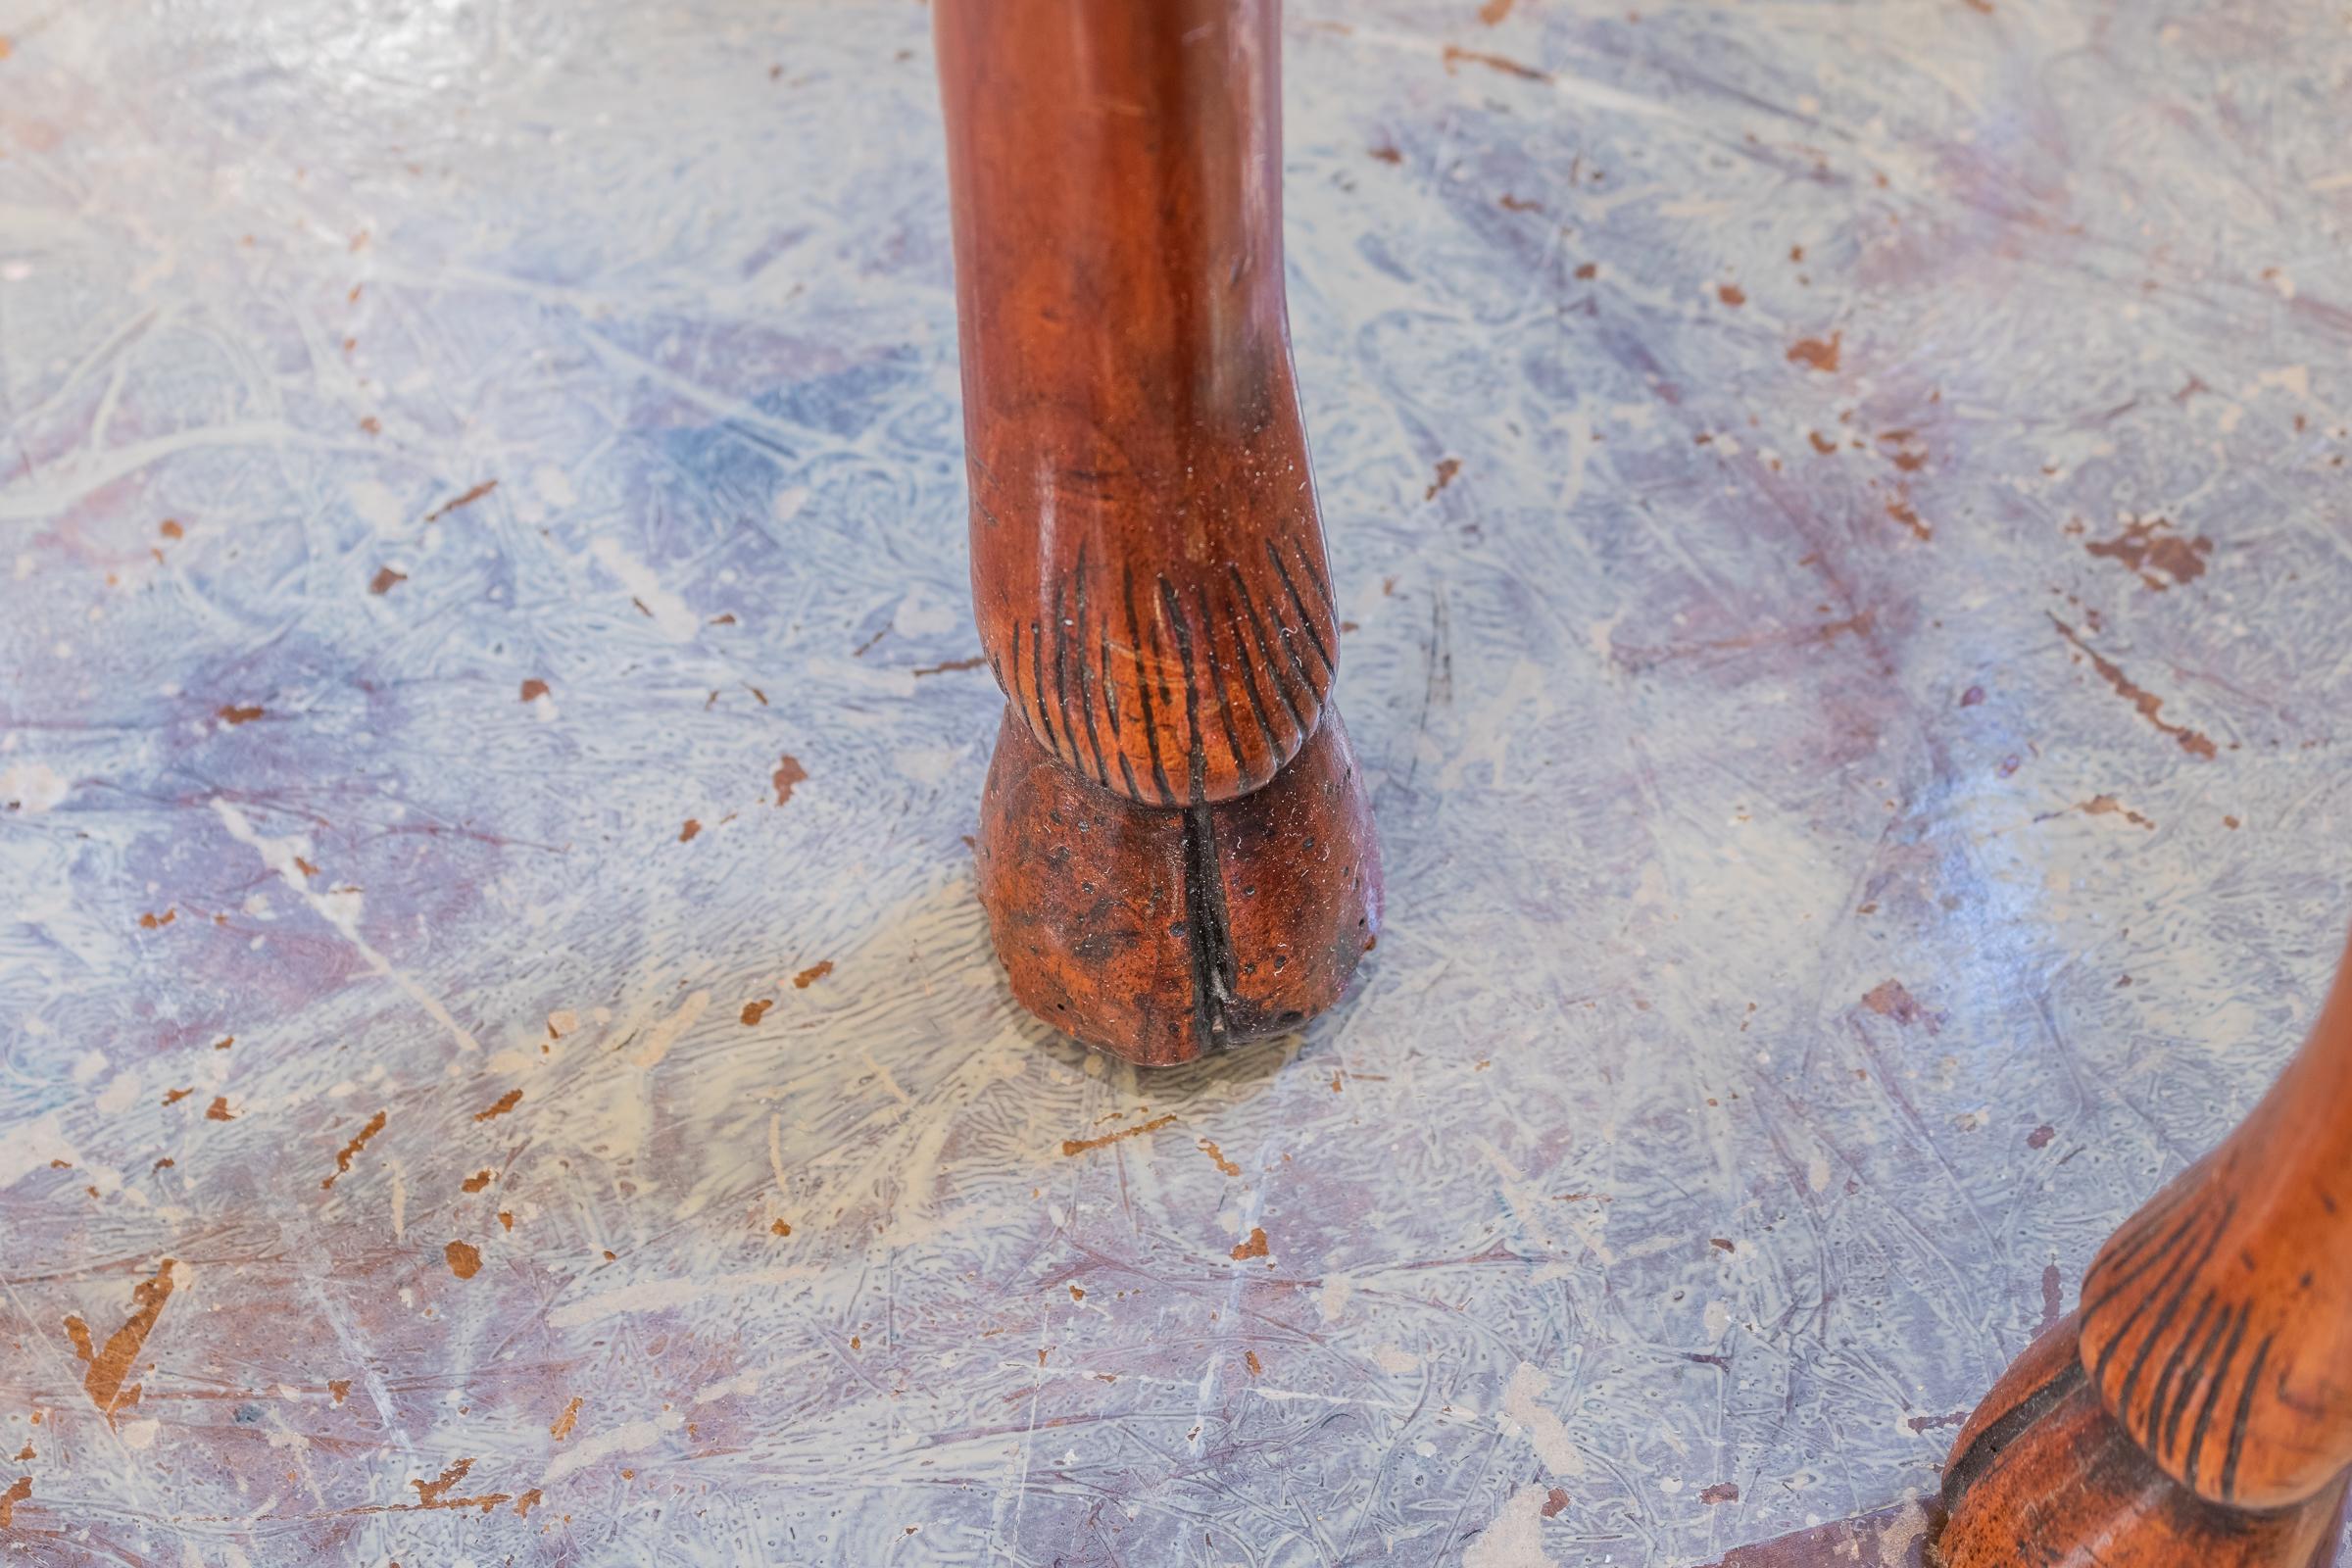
column 2196, row 1408
column 1175, row 848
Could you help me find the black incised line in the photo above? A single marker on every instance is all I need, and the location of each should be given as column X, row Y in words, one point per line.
column 1308, row 562
column 1306, row 622
column 2213, row 1393
column 2172, row 1364
column 1216, row 676
column 2197, row 1369
column 2164, row 1319
column 1037, row 694
column 2245, row 1409
column 2181, row 1266
column 1207, row 932
column 2122, row 1276
column 1110, row 706
column 1182, row 630
column 1143, row 690
column 1061, row 643
column 1983, row 1453
column 1273, row 671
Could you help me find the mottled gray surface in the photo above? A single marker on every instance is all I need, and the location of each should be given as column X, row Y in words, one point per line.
column 1842, row 512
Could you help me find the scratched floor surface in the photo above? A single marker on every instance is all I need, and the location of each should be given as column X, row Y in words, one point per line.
column 1840, row 518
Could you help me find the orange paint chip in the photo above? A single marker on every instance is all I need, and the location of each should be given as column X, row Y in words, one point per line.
column 225, row 1043
column 1256, row 1367
column 1079, row 1146
column 1217, row 1158
column 173, row 1096
column 340, row 1388
column 429, row 1493
column 524, row 1503
column 789, row 772
column 110, row 1364
column 506, row 1217
column 22, row 1488
column 169, row 528
column 1816, row 353
column 235, row 714
column 686, row 834
column 305, row 866
column 1254, row 1246
column 464, row 1261
column 152, row 922
column 534, row 689
column 1731, row 294
column 465, row 500
column 780, row 1228
column 386, row 578
column 564, row 1423
column 475, row 1182
column 505, row 1103
column 350, row 1150
column 219, row 1110
column 813, row 974
column 754, row 1011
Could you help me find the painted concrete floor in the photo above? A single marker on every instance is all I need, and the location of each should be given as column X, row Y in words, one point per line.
column 1841, row 513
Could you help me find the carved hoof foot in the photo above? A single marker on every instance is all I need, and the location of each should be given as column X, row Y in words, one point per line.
column 2043, row 1476
column 1162, row 935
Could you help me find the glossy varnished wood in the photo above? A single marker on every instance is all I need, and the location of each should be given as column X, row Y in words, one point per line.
column 1147, row 565
column 2197, row 1405
column 1173, row 816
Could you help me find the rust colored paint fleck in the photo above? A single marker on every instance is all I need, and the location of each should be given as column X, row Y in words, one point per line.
column 1901, row 510
column 1553, row 1502
column 754, row 1011
column 758, row 694
column 475, row 1182
column 169, row 528
column 1446, row 468
column 505, row 1103
column 349, row 1151
column 1589, row 269
column 2150, row 706
column 340, row 1388
column 1720, row 1491
column 1455, row 56
column 25, row 1453
column 1256, row 1367
column 2109, row 805
column 2155, row 552
column 1820, row 354
column 219, row 1110
column 1388, row 153
column 1515, row 204
column 953, row 664
column 386, row 578
column 173, row 1096
column 1721, row 1244
column 235, row 714
column 22, row 1488
column 534, row 689
column 780, row 1228
column 152, row 921
column 1821, row 443
column 1731, row 293
column 305, row 866
column 1254, row 1246
column 1890, row 999
column 2039, row 1137
column 225, row 1043
column 465, row 500
column 110, row 1366
column 429, row 1493
column 1079, row 1146
column 686, row 834
column 1217, row 1158
column 524, row 1503
column 2230, row 822
column 789, row 772
column 1493, row 11
column 813, row 974
column 564, row 1423
column 464, row 1261
column 1077, row 1294
column 506, row 1217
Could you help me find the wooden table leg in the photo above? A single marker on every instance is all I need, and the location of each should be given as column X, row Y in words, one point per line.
column 1175, row 852
column 2196, row 1408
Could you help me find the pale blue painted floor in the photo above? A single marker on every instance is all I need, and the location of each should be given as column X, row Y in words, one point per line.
column 1842, row 515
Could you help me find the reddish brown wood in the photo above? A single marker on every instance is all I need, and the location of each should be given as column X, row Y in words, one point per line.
column 1175, row 848
column 2197, row 1405
column 1148, row 562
